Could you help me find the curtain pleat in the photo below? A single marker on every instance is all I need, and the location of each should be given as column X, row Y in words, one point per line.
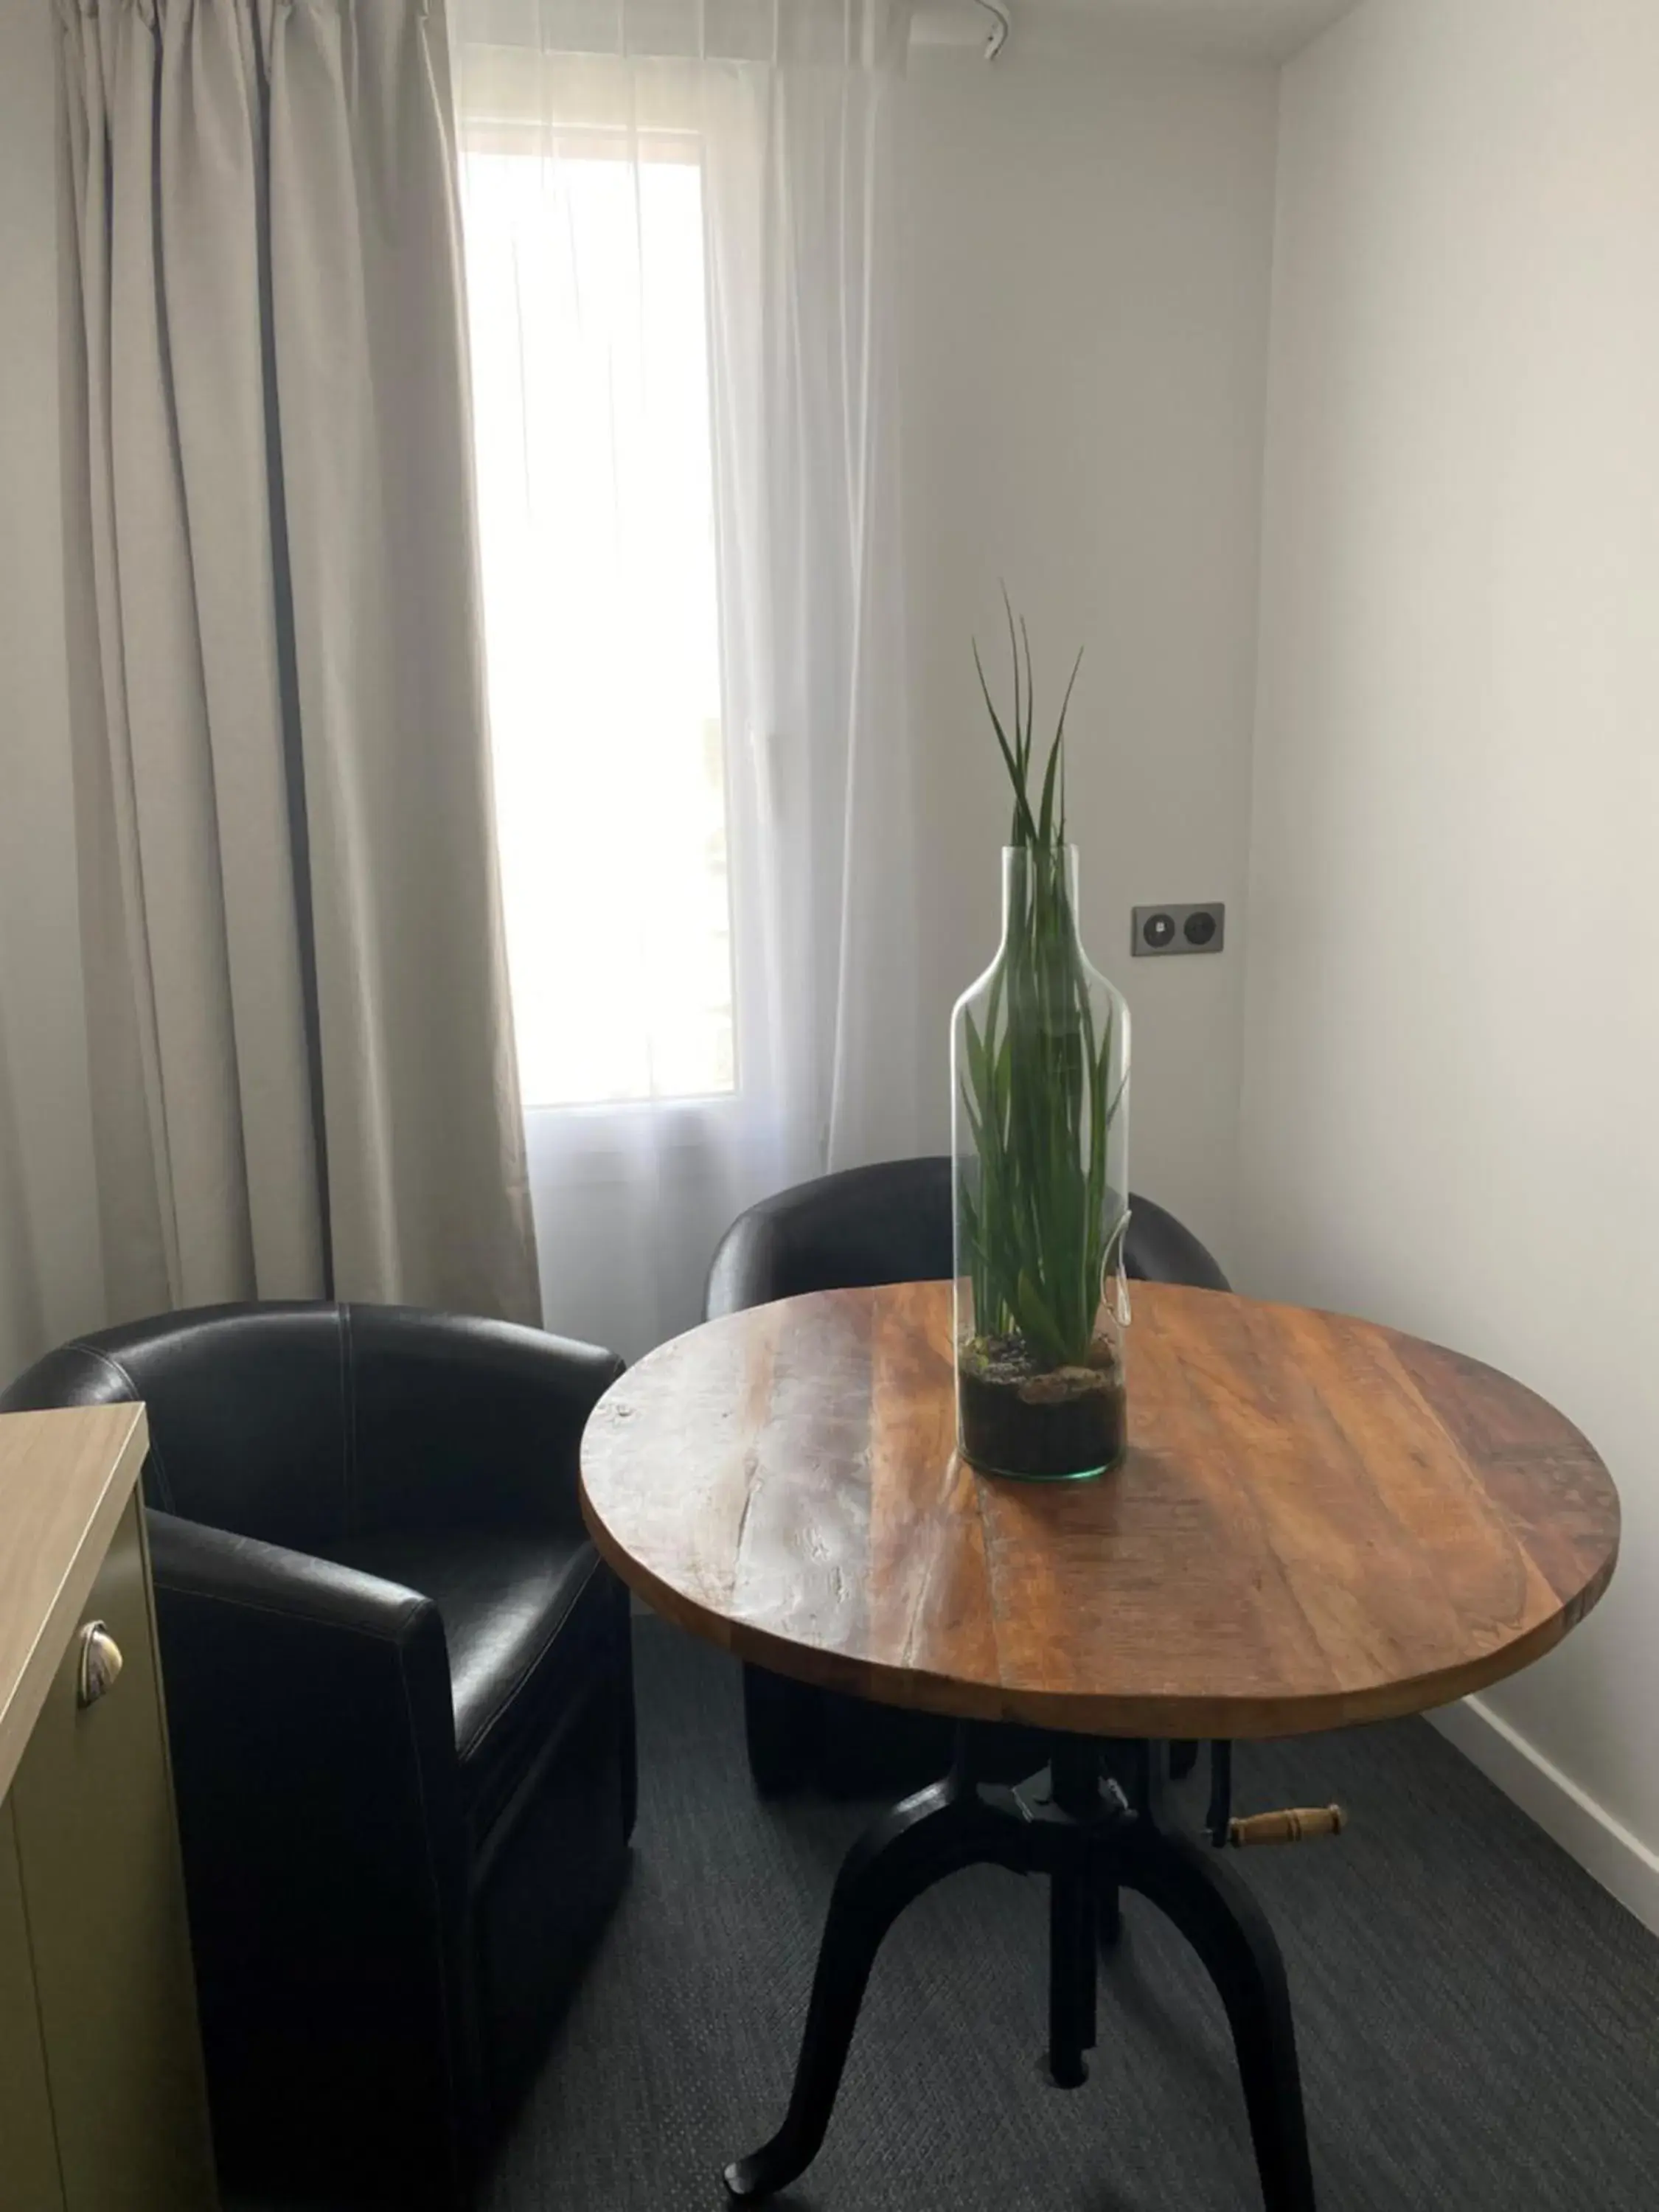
column 22, row 1307
column 301, row 1059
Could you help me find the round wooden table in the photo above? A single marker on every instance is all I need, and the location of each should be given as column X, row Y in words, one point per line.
column 1319, row 1521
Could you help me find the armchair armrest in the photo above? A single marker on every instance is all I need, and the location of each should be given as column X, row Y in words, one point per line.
column 314, row 1751
column 455, row 1420
column 290, row 1590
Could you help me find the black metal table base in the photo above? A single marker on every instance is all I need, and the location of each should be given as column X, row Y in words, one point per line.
column 1094, row 1822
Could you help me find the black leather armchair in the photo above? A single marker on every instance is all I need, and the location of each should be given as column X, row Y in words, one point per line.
column 400, row 1704
column 887, row 1223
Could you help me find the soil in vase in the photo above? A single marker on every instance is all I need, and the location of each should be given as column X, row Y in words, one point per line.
column 1021, row 1415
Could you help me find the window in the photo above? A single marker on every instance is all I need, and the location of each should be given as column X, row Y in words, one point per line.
column 586, row 285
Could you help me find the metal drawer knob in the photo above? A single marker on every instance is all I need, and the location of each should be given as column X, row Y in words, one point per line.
column 100, row 1663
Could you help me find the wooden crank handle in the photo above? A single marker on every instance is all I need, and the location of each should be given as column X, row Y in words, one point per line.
column 1297, row 1824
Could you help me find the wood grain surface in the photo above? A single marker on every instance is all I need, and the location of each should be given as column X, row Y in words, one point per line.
column 1318, row 1521
column 65, row 1477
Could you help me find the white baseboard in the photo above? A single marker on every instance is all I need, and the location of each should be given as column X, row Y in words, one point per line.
column 1619, row 1861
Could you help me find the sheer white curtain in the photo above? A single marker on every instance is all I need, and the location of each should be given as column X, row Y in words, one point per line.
column 680, row 235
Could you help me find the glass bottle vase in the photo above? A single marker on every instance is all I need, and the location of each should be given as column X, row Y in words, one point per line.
column 1039, row 1082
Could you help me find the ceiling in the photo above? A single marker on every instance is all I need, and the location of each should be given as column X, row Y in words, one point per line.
column 1269, row 29
column 1272, row 28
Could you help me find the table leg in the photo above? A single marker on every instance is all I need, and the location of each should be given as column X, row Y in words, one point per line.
column 1082, row 1803
column 1109, row 1910
column 1071, row 1939
column 939, row 1830
column 1220, row 1918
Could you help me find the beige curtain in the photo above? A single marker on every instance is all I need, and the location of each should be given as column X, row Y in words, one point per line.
column 302, row 1056
column 22, row 1314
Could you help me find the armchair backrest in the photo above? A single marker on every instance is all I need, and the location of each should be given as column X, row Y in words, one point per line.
column 246, row 1408
column 891, row 1224
column 887, row 1223
column 301, row 1423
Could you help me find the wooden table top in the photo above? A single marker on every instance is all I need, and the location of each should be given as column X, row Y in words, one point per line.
column 1318, row 1520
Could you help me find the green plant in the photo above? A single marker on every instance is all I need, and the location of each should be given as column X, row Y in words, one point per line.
column 1038, row 1085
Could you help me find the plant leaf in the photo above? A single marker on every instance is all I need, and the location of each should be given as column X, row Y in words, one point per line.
column 1059, row 732
column 1045, row 819
column 1037, row 1322
column 1030, row 698
column 1019, row 726
column 1025, row 828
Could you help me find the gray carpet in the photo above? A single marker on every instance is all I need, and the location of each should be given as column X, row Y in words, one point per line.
column 1479, row 2022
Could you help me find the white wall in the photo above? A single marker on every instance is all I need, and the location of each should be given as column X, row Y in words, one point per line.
column 1453, row 1017
column 1091, row 234
column 47, row 1207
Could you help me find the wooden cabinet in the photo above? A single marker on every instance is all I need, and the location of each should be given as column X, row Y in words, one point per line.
column 101, row 2101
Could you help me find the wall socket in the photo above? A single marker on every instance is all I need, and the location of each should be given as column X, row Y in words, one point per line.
column 1198, row 929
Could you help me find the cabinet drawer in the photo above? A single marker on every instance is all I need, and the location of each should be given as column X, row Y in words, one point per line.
column 96, row 1843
